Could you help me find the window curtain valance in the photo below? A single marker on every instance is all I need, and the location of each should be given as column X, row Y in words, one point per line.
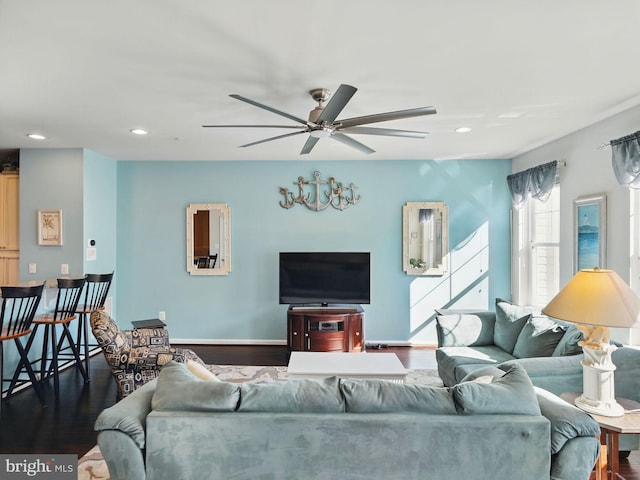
column 625, row 157
column 536, row 182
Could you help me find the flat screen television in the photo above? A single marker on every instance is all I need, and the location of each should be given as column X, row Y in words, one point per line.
column 325, row 277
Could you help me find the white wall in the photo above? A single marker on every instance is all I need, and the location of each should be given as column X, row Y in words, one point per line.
column 589, row 171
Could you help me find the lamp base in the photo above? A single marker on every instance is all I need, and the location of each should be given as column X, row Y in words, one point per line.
column 606, row 409
column 598, row 382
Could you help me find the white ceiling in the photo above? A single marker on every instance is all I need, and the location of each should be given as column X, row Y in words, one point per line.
column 84, row 73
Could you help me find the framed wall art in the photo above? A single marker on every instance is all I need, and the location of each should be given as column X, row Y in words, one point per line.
column 49, row 227
column 590, row 232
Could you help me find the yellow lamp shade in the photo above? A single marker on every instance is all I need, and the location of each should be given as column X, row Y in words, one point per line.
column 596, row 297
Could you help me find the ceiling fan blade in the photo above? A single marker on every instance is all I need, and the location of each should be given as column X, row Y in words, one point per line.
column 309, row 144
column 352, row 143
column 383, row 117
column 254, row 126
column 272, row 138
column 384, row 131
column 336, row 103
column 266, row 107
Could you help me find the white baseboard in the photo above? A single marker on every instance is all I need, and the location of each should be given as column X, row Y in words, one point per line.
column 236, row 341
column 218, row 341
column 397, row 343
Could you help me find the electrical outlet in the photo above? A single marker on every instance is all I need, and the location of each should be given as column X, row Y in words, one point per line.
column 32, row 268
column 64, row 269
column 162, row 316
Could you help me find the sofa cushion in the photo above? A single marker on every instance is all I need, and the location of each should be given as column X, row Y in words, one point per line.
column 378, row 396
column 465, row 329
column 568, row 344
column 512, row 393
column 538, row 338
column 179, row 389
column 451, row 357
column 297, row 395
column 510, row 320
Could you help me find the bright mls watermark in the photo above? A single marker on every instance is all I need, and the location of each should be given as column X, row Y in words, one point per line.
column 46, row 466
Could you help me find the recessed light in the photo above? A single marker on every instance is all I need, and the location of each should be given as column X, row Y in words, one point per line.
column 463, row 129
column 36, row 136
column 139, row 131
column 510, row 115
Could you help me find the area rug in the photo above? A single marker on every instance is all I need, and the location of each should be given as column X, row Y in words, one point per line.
column 92, row 467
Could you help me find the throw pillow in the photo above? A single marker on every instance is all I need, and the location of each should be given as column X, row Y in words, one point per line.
column 510, row 320
column 483, row 379
column 465, row 329
column 482, row 373
column 297, row 395
column 376, row 396
column 538, row 338
column 568, row 345
column 201, row 371
column 180, row 390
column 513, row 393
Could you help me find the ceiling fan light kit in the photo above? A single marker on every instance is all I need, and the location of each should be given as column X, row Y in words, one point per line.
column 322, row 121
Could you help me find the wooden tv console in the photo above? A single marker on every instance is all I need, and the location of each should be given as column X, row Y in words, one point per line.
column 329, row 329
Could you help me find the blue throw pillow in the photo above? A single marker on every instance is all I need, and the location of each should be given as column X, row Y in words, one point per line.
column 178, row 389
column 568, row 345
column 513, row 393
column 465, row 329
column 538, row 338
column 510, row 320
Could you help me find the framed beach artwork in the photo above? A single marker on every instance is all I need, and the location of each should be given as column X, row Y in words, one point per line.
column 49, row 227
column 590, row 232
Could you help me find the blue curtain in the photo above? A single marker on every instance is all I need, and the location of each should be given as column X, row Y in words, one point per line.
column 536, row 182
column 625, row 157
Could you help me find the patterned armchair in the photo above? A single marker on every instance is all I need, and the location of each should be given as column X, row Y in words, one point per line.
column 135, row 356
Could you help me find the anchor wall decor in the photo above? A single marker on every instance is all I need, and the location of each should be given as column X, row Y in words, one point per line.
column 336, row 195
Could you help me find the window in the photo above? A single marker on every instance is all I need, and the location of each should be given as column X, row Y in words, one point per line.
column 536, row 248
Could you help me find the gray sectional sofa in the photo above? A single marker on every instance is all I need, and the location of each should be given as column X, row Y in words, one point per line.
column 495, row 425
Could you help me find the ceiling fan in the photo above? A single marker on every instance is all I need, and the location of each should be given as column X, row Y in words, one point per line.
column 322, row 121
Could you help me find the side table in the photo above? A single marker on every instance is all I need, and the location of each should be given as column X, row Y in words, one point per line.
column 608, row 465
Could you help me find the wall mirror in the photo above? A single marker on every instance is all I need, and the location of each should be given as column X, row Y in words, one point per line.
column 208, row 239
column 425, row 245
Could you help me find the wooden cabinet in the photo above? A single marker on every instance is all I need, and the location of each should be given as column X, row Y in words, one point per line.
column 9, row 268
column 325, row 330
column 9, row 232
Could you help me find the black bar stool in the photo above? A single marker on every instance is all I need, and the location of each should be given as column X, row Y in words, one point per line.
column 69, row 290
column 19, row 306
column 96, row 290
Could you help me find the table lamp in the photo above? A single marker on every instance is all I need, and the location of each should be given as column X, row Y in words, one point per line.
column 597, row 299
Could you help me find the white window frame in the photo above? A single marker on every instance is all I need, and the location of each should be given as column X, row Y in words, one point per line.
column 523, row 245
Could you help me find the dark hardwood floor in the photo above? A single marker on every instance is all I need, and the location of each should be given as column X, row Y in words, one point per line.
column 66, row 425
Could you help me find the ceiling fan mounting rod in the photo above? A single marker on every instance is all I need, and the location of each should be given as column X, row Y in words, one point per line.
column 320, row 95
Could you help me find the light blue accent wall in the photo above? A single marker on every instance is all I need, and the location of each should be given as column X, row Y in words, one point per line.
column 99, row 214
column 50, row 180
column 151, row 256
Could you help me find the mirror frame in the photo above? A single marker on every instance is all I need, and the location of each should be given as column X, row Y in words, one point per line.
column 225, row 249
column 410, row 217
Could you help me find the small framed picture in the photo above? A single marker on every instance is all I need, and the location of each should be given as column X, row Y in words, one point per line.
column 590, row 232
column 49, row 227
